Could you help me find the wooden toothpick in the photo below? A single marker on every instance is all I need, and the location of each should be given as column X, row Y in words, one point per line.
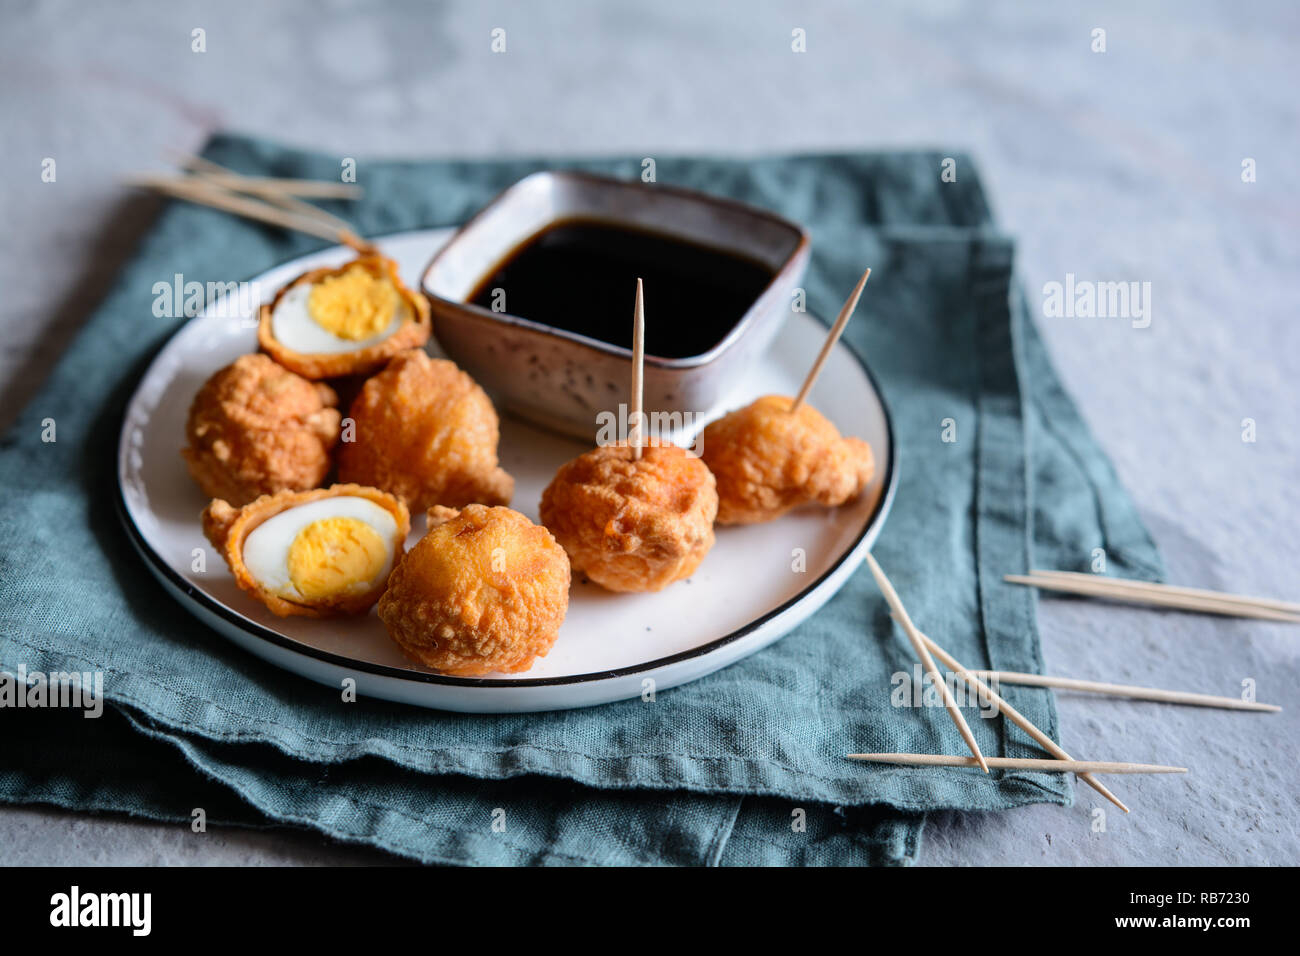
column 1019, row 719
column 1160, row 595
column 918, row 645
column 638, row 370
column 832, row 337
column 1128, row 690
column 1016, row 763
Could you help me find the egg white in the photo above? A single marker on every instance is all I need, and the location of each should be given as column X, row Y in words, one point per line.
column 293, row 326
column 266, row 549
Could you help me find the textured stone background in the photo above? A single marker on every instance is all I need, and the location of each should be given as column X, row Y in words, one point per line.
column 1122, row 165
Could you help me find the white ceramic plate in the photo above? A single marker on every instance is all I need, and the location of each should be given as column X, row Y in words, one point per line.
column 743, row 597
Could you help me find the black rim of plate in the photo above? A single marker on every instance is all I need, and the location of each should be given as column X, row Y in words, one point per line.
column 210, row 604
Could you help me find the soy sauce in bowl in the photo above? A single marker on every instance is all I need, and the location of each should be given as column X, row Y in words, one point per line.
column 579, row 275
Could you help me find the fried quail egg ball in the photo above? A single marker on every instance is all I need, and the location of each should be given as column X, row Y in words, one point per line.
column 330, row 323
column 426, row 432
column 256, row 428
column 768, row 461
column 484, row 590
column 633, row 524
column 316, row 553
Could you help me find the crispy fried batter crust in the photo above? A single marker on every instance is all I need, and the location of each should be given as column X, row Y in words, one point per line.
column 633, row 525
column 228, row 527
column 425, row 431
column 412, row 333
column 484, row 590
column 768, row 461
column 255, row 428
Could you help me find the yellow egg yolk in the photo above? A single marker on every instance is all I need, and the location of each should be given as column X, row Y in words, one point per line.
column 335, row 556
column 353, row 305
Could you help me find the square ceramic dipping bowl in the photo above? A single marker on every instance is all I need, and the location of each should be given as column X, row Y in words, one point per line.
column 564, row 380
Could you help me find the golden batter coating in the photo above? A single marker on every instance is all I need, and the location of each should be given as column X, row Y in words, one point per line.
column 633, row 525
column 768, row 461
column 484, row 590
column 227, row 527
column 255, row 428
column 412, row 333
column 426, row 432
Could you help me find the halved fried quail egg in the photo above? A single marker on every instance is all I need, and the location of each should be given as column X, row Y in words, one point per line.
column 347, row 321
column 316, row 553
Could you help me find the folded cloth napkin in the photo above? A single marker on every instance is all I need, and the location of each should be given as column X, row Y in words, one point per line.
column 746, row 766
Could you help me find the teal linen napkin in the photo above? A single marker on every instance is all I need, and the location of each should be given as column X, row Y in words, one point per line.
column 743, row 767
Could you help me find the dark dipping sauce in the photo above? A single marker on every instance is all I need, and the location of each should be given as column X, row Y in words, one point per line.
column 580, row 276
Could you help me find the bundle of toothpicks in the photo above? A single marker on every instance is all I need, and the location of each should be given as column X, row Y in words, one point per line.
column 1141, row 592
column 266, row 199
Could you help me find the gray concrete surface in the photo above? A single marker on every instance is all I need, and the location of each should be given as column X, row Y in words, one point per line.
column 1122, row 165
